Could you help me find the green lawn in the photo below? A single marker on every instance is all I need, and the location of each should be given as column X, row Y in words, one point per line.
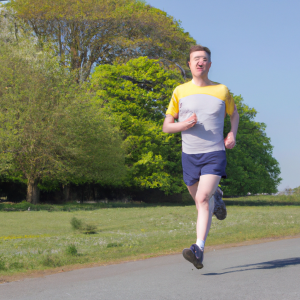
column 33, row 240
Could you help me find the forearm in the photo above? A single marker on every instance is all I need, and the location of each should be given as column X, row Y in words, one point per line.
column 234, row 120
column 174, row 127
column 170, row 126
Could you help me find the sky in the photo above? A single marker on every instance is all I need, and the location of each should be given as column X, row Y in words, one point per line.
column 255, row 49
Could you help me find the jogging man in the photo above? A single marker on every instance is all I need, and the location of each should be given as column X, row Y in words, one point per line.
column 200, row 107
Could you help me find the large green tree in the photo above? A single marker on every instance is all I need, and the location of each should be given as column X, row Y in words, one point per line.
column 49, row 130
column 251, row 168
column 90, row 32
column 138, row 92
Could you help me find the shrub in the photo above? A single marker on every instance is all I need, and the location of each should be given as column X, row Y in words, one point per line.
column 76, row 223
column 83, row 227
column 71, row 250
column 89, row 229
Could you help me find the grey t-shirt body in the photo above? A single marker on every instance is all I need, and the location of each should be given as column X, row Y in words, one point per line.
column 209, row 103
column 207, row 134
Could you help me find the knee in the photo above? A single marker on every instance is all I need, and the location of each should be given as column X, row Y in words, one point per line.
column 202, row 200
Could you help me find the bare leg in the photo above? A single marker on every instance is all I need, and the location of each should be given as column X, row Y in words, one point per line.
column 201, row 192
column 211, row 212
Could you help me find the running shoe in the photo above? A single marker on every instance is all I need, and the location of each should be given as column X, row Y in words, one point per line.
column 194, row 255
column 220, row 209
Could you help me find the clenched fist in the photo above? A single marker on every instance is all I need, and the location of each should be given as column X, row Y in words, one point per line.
column 191, row 121
column 229, row 141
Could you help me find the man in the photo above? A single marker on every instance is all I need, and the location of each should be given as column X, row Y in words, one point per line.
column 200, row 106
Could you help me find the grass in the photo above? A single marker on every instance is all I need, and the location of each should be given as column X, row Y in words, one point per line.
column 36, row 240
column 71, row 206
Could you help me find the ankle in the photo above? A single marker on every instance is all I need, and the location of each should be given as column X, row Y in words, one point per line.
column 200, row 244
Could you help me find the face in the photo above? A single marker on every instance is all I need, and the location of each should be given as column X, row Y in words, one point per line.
column 199, row 63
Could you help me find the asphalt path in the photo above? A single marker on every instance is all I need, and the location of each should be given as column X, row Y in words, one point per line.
column 262, row 271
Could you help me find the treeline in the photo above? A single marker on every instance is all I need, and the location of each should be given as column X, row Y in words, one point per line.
column 84, row 86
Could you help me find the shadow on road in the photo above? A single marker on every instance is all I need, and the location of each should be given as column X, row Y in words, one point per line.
column 273, row 264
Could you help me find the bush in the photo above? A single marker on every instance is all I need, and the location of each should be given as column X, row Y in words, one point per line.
column 76, row 223
column 89, row 229
column 71, row 250
column 83, row 227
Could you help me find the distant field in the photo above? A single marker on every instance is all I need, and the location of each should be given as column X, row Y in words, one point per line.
column 33, row 240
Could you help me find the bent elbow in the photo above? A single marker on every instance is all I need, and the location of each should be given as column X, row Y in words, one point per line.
column 164, row 129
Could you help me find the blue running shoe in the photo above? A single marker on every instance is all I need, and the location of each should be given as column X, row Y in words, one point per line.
column 220, row 209
column 194, row 255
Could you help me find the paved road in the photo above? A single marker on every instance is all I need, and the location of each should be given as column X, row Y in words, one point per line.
column 263, row 271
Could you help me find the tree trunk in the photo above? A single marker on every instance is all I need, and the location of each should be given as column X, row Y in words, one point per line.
column 66, row 192
column 33, row 192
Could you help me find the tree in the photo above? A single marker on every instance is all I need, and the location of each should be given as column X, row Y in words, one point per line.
column 48, row 130
column 137, row 93
column 250, row 165
column 90, row 32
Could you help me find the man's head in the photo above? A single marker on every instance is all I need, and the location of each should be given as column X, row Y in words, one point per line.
column 199, row 60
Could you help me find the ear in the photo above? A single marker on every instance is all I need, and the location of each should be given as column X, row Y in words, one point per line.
column 189, row 64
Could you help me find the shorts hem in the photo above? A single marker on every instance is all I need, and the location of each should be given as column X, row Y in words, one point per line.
column 192, row 182
column 196, row 165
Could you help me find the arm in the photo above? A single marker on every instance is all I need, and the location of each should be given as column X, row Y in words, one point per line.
column 231, row 136
column 170, row 126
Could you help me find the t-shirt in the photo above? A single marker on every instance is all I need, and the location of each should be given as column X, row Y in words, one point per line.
column 209, row 103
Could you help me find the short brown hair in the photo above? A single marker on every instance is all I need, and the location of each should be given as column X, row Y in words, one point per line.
column 200, row 48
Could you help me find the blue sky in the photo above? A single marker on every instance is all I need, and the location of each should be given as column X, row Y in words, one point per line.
column 255, row 52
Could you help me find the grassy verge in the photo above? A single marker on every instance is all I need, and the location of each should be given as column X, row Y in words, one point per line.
column 71, row 206
column 36, row 240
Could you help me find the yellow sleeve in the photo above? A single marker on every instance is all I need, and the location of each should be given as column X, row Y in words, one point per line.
column 173, row 108
column 229, row 102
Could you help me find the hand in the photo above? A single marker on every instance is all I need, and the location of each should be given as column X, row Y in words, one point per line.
column 229, row 141
column 191, row 121
column 170, row 126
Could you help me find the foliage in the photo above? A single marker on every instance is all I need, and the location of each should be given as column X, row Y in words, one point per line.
column 76, row 223
column 83, row 227
column 71, row 250
column 296, row 190
column 250, row 165
column 92, row 32
column 134, row 94
column 138, row 92
column 49, row 131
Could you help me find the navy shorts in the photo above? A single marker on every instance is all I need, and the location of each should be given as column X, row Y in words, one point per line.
column 195, row 165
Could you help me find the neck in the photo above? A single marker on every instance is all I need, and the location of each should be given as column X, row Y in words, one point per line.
column 201, row 81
